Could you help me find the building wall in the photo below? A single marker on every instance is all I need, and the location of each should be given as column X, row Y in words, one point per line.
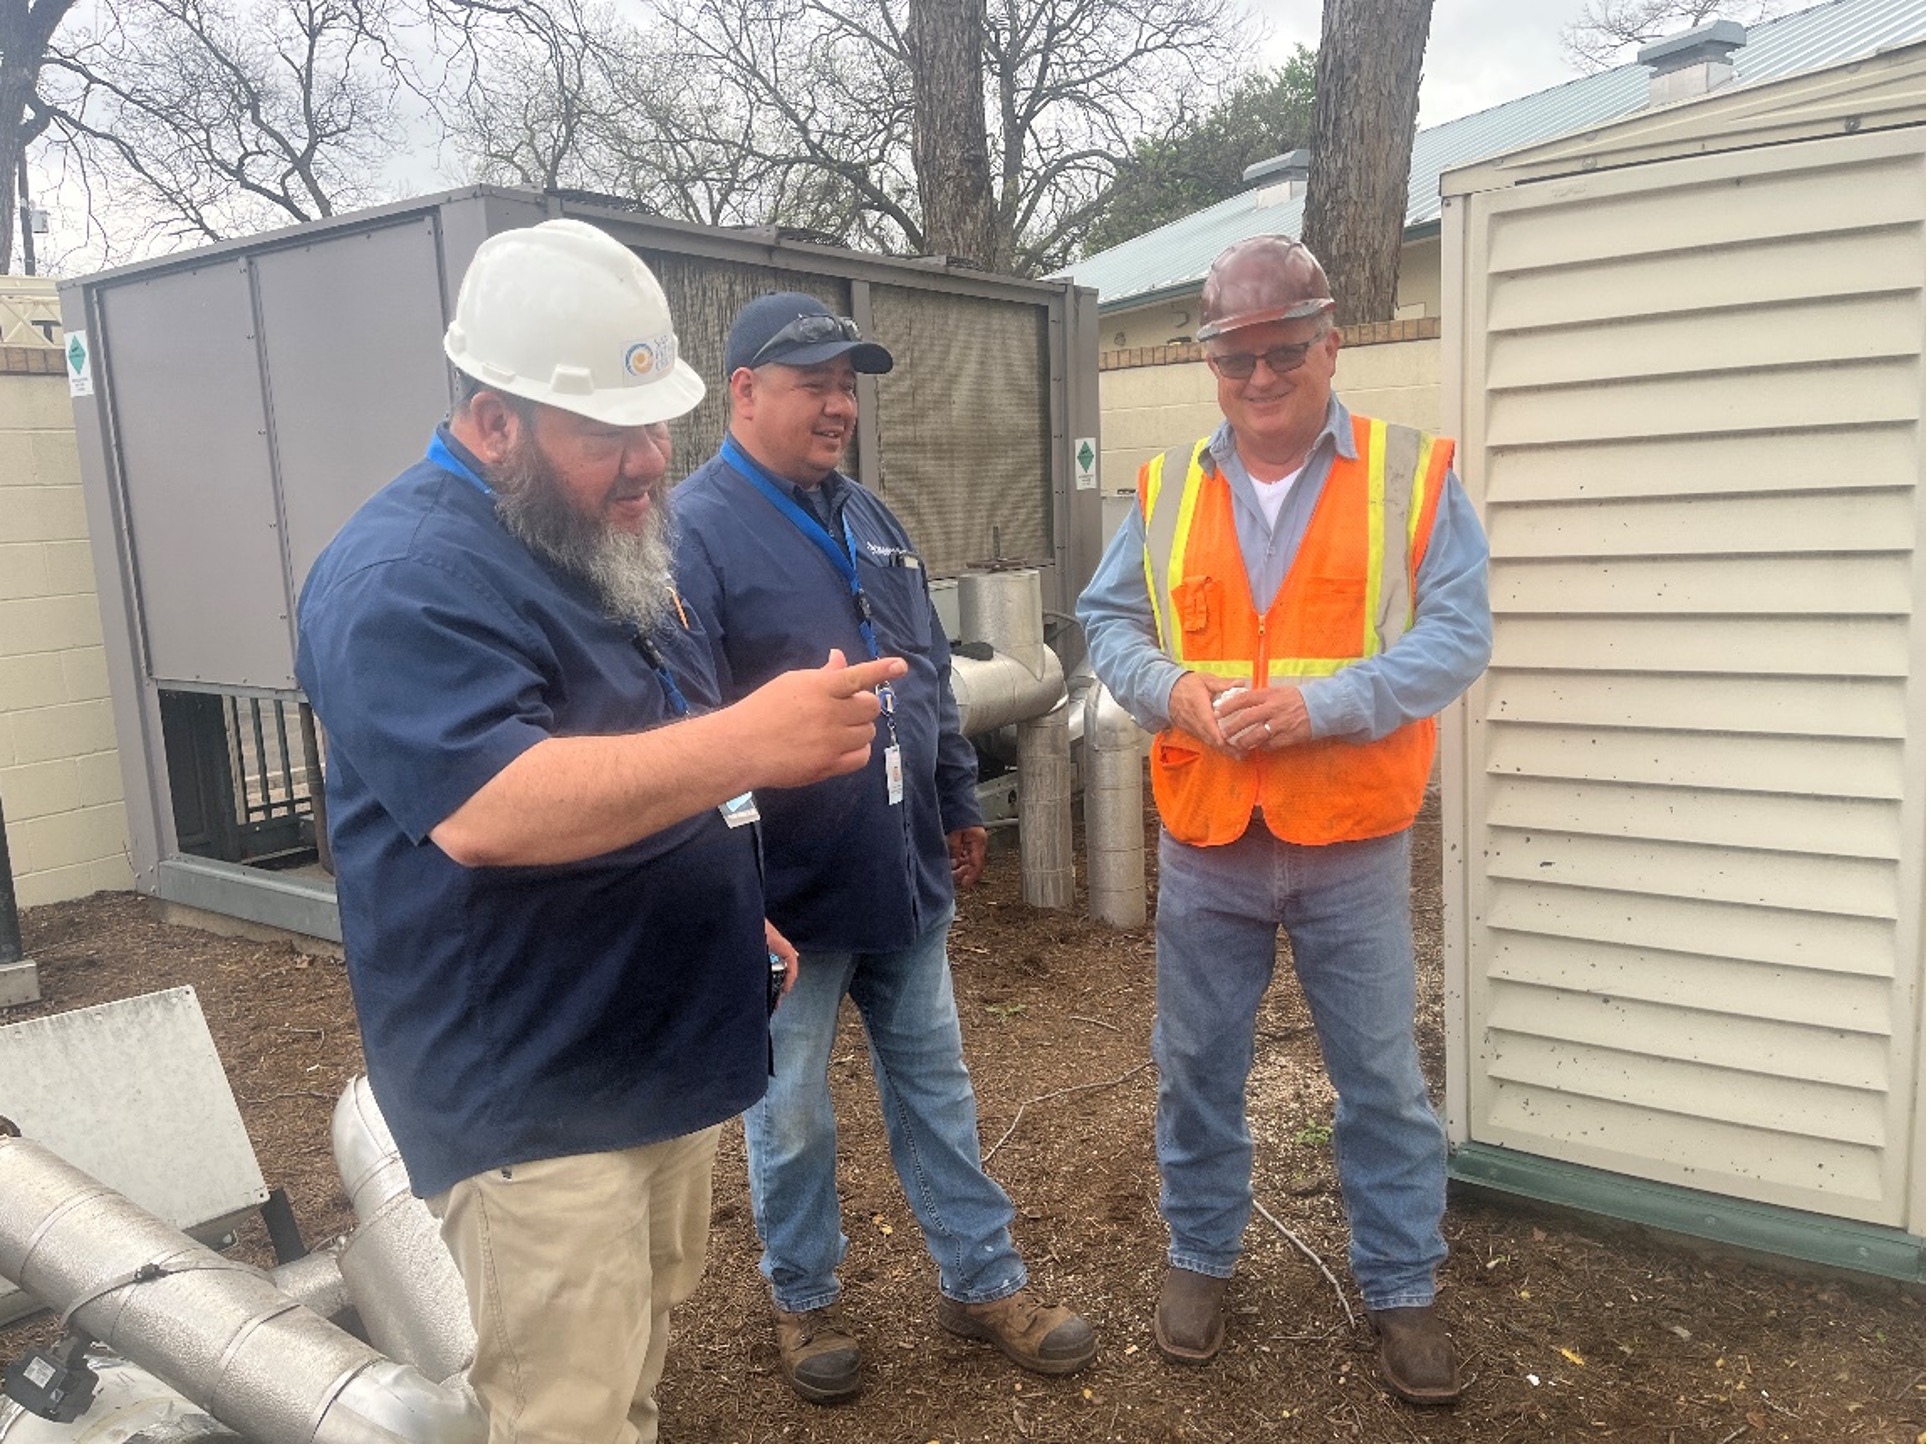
column 1418, row 294
column 1153, row 398
column 60, row 775
column 1684, row 810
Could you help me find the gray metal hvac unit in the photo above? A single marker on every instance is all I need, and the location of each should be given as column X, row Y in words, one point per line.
column 247, row 397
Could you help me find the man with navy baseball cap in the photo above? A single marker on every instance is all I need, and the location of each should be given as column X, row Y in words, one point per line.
column 783, row 557
column 799, row 331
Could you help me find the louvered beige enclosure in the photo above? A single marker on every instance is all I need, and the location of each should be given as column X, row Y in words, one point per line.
column 1684, row 810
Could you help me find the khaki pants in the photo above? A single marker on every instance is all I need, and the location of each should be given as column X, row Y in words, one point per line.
column 572, row 1266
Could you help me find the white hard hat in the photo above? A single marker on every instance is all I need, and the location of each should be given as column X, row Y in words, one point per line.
column 566, row 314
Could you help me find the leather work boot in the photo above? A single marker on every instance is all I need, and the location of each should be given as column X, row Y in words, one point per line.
column 1189, row 1321
column 1417, row 1359
column 819, row 1358
column 1040, row 1336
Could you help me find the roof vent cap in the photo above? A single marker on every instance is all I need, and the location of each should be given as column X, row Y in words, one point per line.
column 1279, row 178
column 1692, row 63
column 1294, row 163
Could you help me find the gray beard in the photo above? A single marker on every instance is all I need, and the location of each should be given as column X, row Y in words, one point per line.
column 629, row 572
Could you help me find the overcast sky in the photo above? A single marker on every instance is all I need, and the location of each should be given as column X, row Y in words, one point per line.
column 1480, row 52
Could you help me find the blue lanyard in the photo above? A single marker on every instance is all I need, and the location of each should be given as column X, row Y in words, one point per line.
column 443, row 457
column 813, row 530
column 845, row 562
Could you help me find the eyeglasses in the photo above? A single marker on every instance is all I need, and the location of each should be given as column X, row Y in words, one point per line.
column 1239, row 366
column 807, row 332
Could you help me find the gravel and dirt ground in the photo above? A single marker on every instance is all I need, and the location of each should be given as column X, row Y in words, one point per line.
column 1571, row 1329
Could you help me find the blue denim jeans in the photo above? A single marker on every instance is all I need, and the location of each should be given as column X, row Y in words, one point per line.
column 911, row 1022
column 1345, row 910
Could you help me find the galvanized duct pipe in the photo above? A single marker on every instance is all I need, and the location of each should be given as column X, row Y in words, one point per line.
column 1046, row 809
column 216, row 1331
column 1116, row 855
column 316, row 1282
column 405, row 1283
column 1004, row 609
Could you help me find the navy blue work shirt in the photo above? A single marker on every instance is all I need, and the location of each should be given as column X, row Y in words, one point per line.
column 844, row 870
column 513, row 1014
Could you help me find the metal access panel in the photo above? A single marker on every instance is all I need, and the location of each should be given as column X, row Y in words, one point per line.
column 133, row 1094
column 351, row 332
column 193, row 434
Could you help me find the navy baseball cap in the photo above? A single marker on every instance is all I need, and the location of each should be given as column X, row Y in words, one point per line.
column 799, row 331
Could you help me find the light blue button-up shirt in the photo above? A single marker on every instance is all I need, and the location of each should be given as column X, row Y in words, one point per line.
column 1424, row 672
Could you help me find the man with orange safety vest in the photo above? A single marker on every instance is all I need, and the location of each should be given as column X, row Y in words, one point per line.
column 1293, row 601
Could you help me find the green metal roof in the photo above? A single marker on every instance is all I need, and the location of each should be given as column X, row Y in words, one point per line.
column 1174, row 258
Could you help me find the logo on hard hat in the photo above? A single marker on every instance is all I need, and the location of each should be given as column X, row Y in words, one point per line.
column 651, row 358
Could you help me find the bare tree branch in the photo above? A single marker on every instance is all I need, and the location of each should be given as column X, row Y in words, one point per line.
column 991, row 128
column 26, row 29
column 228, row 115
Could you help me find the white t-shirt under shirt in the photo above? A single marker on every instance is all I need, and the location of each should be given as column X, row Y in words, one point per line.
column 1271, row 495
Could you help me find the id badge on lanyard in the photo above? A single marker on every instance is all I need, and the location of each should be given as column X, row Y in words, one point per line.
column 894, row 757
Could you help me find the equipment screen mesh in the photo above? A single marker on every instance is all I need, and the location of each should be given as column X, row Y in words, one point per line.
column 963, row 430
column 705, row 294
column 963, row 427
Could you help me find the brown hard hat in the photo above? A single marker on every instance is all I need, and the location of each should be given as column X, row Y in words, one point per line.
column 1261, row 279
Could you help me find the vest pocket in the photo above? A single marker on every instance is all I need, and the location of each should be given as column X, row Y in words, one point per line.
column 1197, row 602
column 1329, row 617
column 1186, row 786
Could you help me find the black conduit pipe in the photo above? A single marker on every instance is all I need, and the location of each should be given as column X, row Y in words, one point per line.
column 10, row 952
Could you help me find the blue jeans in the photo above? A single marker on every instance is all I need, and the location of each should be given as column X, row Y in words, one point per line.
column 911, row 1022
column 1345, row 910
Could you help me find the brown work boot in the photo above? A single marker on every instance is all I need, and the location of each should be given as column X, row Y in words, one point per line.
column 1040, row 1336
column 1417, row 1359
column 1189, row 1322
column 818, row 1357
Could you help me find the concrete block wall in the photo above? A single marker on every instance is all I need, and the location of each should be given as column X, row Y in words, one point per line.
column 1418, row 295
column 60, row 774
column 1153, row 398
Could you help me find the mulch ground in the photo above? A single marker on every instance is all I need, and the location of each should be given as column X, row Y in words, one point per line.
column 1572, row 1329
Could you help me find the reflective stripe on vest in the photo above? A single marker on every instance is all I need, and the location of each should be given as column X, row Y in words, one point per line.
column 1348, row 596
column 1394, row 453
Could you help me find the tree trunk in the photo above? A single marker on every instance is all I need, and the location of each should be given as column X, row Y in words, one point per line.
column 25, row 30
column 950, row 155
column 1366, row 90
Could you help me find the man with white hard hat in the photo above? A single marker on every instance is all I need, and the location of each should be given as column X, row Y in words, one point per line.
column 549, row 891
column 1296, row 597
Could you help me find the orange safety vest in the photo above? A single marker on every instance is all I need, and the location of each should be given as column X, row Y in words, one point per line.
column 1349, row 595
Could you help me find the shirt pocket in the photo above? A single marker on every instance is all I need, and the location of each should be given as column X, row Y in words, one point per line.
column 901, row 608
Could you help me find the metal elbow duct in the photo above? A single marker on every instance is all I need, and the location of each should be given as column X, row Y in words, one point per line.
column 218, row 1332
column 1024, row 684
column 1116, row 856
column 1004, row 690
column 316, row 1282
column 404, row 1282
